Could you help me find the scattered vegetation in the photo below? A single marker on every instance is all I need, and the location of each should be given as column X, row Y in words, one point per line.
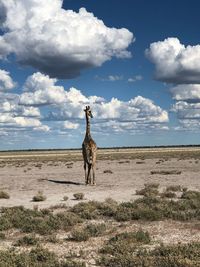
column 38, row 256
column 78, row 196
column 129, row 249
column 39, row 197
column 33, row 221
column 4, row 194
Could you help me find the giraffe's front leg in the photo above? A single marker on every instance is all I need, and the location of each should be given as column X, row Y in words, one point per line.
column 89, row 174
column 86, row 182
column 93, row 173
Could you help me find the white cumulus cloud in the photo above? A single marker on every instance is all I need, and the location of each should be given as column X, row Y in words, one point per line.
column 70, row 125
column 58, row 42
column 6, row 82
column 175, row 62
column 187, row 92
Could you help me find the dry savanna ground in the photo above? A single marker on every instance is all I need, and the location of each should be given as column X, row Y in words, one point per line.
column 144, row 210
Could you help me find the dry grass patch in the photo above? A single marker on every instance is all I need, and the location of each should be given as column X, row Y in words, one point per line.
column 166, row 172
column 4, row 195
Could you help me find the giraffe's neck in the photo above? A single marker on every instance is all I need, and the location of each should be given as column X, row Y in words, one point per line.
column 87, row 126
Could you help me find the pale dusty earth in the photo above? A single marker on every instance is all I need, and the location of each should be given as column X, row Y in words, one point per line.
column 59, row 174
column 23, row 175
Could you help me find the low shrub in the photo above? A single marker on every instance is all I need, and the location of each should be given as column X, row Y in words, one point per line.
column 191, row 195
column 65, row 198
column 79, row 235
column 95, row 230
column 174, row 188
column 28, row 240
column 2, row 236
column 4, row 195
column 39, row 197
column 168, row 194
column 150, row 189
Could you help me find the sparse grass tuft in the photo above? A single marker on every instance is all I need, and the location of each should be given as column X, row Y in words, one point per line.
column 78, row 196
column 39, row 197
column 4, row 194
column 65, row 198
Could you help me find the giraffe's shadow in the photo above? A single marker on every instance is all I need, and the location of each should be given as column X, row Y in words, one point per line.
column 64, row 182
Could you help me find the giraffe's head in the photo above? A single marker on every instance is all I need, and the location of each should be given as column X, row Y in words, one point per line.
column 88, row 111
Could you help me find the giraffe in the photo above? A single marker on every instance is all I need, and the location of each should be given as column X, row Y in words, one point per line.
column 89, row 150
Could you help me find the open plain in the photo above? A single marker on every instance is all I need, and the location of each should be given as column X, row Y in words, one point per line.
column 120, row 172
column 120, row 175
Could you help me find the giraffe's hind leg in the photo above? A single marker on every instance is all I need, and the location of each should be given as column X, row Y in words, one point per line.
column 89, row 173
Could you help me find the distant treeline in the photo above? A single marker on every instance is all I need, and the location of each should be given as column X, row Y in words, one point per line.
column 120, row 147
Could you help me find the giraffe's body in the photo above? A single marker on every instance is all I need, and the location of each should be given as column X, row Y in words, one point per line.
column 89, row 150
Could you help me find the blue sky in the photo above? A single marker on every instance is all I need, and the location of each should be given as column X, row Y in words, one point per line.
column 136, row 63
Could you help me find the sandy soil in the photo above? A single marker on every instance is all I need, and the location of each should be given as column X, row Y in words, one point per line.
column 23, row 176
